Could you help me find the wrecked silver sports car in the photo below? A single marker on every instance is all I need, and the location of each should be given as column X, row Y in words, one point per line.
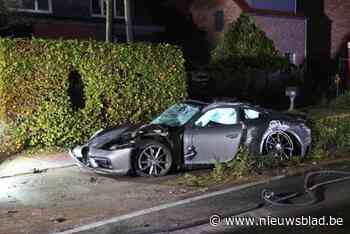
column 193, row 133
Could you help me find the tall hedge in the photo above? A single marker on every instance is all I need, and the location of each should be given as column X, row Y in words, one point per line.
column 119, row 83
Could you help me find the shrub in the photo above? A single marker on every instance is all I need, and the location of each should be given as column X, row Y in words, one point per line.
column 218, row 172
column 341, row 102
column 245, row 64
column 244, row 163
column 246, row 46
column 120, row 83
column 330, row 133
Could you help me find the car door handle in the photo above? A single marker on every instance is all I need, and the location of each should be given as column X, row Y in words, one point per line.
column 232, row 136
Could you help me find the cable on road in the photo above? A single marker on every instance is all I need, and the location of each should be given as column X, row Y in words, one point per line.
column 269, row 197
column 272, row 198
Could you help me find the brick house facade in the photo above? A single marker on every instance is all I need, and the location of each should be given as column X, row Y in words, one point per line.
column 338, row 12
column 83, row 19
column 287, row 29
column 328, row 34
column 289, row 34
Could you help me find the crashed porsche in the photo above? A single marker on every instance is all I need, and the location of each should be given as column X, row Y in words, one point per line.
column 193, row 133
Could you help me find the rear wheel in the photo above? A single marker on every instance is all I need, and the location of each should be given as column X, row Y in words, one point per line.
column 153, row 159
column 280, row 145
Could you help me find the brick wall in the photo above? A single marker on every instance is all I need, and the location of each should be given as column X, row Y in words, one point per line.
column 338, row 11
column 348, row 45
column 72, row 19
column 68, row 30
column 287, row 33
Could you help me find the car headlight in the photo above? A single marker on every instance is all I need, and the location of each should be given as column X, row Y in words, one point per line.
column 121, row 146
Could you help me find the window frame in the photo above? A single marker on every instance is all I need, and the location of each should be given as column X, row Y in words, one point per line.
column 103, row 13
column 36, row 7
column 115, row 10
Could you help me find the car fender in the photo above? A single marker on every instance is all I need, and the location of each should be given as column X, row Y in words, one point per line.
column 277, row 125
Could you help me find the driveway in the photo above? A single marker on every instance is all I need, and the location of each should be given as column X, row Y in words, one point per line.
column 63, row 198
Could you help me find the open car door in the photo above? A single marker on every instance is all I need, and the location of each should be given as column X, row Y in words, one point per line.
column 214, row 136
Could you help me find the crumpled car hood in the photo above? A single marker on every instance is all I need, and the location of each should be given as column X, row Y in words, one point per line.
column 110, row 134
column 124, row 134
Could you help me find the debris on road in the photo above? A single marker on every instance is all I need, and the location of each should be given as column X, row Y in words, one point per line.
column 38, row 171
column 12, row 211
column 93, row 180
column 59, row 219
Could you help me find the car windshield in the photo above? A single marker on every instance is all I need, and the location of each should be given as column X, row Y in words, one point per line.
column 177, row 115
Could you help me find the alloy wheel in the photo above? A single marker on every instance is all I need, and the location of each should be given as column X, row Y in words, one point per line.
column 154, row 160
column 280, row 145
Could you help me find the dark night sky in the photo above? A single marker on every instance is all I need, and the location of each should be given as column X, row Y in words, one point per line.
column 282, row 5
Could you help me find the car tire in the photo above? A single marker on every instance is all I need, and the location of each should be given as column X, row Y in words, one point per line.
column 153, row 159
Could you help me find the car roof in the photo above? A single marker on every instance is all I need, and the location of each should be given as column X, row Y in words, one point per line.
column 222, row 102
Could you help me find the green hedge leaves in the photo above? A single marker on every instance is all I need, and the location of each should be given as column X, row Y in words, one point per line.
column 119, row 82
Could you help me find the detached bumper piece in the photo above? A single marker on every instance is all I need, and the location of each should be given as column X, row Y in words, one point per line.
column 103, row 161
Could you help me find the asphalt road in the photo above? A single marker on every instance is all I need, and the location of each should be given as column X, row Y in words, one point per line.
column 335, row 205
column 64, row 198
column 194, row 217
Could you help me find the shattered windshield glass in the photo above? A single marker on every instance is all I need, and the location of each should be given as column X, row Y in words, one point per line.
column 177, row 115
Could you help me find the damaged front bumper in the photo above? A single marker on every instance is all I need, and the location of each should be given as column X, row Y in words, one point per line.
column 103, row 161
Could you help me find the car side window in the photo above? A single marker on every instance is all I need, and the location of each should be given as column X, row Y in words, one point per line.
column 250, row 114
column 218, row 116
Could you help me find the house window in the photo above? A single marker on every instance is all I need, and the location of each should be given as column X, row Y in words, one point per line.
column 118, row 8
column 36, row 6
column 219, row 20
column 98, row 8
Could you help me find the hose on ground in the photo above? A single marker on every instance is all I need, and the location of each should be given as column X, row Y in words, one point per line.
column 271, row 198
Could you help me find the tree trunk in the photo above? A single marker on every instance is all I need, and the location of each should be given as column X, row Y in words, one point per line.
column 128, row 21
column 109, row 20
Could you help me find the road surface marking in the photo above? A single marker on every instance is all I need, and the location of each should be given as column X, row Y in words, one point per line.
column 165, row 206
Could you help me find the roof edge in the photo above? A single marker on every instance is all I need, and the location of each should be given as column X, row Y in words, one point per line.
column 248, row 9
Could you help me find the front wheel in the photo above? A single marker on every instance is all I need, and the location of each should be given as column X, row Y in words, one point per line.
column 153, row 159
